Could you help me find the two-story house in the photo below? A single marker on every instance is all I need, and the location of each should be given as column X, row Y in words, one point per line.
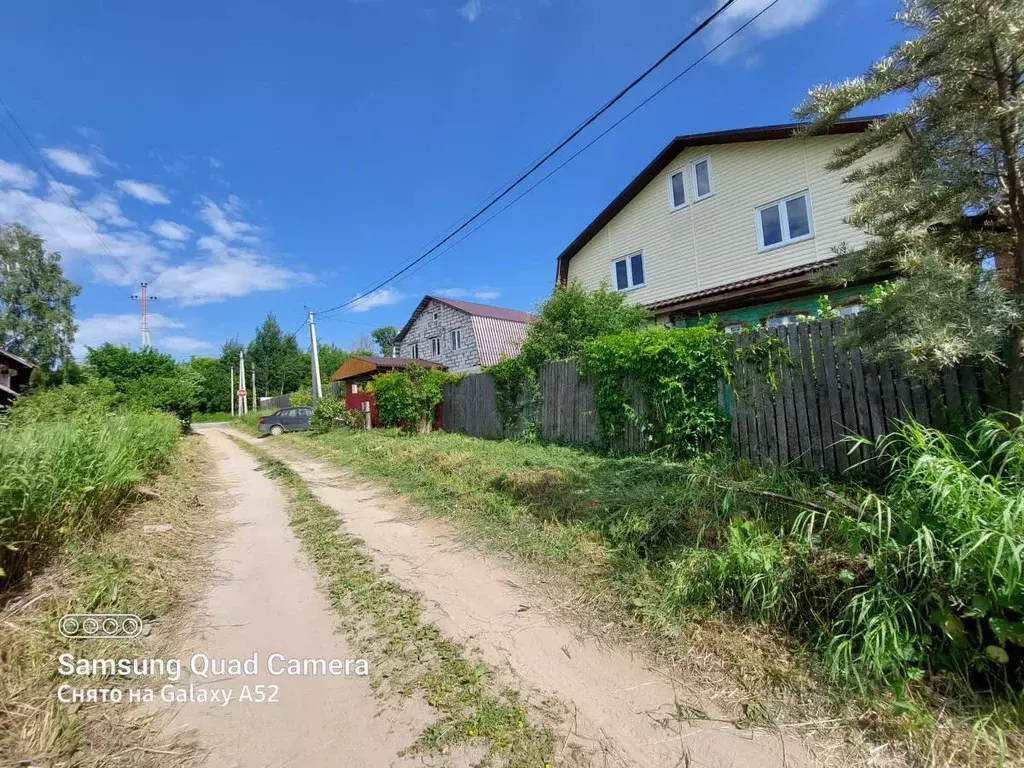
column 461, row 335
column 736, row 223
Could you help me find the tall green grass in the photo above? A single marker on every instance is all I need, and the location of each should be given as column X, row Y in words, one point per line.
column 69, row 476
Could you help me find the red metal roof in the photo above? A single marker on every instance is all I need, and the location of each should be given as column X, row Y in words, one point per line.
column 767, row 278
column 470, row 308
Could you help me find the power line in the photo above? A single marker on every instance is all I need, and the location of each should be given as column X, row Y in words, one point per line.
column 576, row 132
column 596, row 139
column 57, row 186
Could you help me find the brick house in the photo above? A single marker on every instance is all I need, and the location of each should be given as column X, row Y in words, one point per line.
column 461, row 335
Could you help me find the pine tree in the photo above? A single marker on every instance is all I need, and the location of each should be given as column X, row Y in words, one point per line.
column 942, row 187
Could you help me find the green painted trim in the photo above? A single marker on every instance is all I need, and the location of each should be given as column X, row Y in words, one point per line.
column 754, row 315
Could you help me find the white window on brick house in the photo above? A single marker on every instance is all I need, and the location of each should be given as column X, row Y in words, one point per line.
column 628, row 273
column 457, row 339
column 435, row 346
column 416, row 351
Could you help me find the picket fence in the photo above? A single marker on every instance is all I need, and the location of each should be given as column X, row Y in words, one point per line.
column 806, row 417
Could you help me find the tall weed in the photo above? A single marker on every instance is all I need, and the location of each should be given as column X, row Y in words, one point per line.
column 69, row 476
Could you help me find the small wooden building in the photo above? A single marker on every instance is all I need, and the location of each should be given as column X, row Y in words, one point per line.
column 14, row 375
column 350, row 380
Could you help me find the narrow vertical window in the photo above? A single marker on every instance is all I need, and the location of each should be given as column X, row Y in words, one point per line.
column 457, row 339
column 702, row 179
column 677, row 189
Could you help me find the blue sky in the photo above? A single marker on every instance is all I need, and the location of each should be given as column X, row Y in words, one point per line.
column 246, row 157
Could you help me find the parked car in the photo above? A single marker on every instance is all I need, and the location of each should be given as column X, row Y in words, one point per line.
column 286, row 420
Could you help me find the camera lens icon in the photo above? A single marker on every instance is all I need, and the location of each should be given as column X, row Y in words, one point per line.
column 89, row 626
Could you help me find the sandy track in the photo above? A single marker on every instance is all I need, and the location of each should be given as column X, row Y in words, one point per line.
column 265, row 600
column 623, row 710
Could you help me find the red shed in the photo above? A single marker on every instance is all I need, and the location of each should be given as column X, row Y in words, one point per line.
column 356, row 372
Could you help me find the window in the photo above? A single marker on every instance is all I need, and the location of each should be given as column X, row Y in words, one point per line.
column 628, row 273
column 702, row 179
column 775, row 322
column 355, row 388
column 416, row 351
column 786, row 221
column 677, row 189
column 435, row 346
column 457, row 339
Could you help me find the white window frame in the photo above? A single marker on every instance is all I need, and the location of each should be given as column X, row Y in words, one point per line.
column 693, row 177
column 435, row 346
column 630, row 286
column 456, row 339
column 681, row 171
column 784, row 222
column 416, row 350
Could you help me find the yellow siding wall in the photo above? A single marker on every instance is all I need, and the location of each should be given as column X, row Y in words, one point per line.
column 713, row 242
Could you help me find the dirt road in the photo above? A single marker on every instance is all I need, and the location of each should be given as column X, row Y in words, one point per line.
column 265, row 601
column 622, row 710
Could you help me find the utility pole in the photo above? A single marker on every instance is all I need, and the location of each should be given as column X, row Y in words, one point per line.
column 255, row 405
column 314, row 356
column 242, row 401
column 232, row 391
column 143, row 298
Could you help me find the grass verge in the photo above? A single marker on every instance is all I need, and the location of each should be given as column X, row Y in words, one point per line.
column 409, row 655
column 628, row 534
column 136, row 565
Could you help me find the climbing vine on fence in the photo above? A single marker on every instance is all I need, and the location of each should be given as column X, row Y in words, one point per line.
column 675, row 372
column 515, row 394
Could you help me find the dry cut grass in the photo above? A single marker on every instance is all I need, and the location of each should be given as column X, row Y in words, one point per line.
column 127, row 568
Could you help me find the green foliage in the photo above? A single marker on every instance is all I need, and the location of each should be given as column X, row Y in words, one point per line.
column 121, row 365
column 572, row 316
column 947, row 189
column 515, row 394
column 676, row 373
column 279, row 364
column 92, row 397
column 213, row 384
column 174, row 394
column 385, row 338
column 331, row 358
column 69, row 474
column 36, row 312
column 303, row 397
column 408, row 398
column 330, row 413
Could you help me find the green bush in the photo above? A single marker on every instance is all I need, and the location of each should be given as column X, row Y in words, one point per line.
column 67, row 477
column 329, row 414
column 408, row 398
column 95, row 396
column 303, row 397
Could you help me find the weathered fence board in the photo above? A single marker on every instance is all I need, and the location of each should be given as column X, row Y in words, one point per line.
column 823, row 397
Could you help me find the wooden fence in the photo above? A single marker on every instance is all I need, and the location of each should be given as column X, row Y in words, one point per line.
column 565, row 410
column 275, row 403
column 824, row 396
column 829, row 394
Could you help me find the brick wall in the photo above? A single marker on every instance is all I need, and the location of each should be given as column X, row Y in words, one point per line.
column 438, row 321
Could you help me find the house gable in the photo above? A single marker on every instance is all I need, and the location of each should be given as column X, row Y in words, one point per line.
column 714, row 240
column 437, row 320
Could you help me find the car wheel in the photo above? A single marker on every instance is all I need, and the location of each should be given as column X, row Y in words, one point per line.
column 276, row 430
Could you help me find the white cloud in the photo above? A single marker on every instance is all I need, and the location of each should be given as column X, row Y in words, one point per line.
column 182, row 345
column 17, row 176
column 227, row 273
column 465, row 293
column 144, row 191
column 226, row 221
column 169, row 230
column 214, row 162
column 70, row 161
column 105, row 207
column 61, row 191
column 121, row 258
column 117, row 329
column 381, row 298
column 471, row 10
column 786, row 16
